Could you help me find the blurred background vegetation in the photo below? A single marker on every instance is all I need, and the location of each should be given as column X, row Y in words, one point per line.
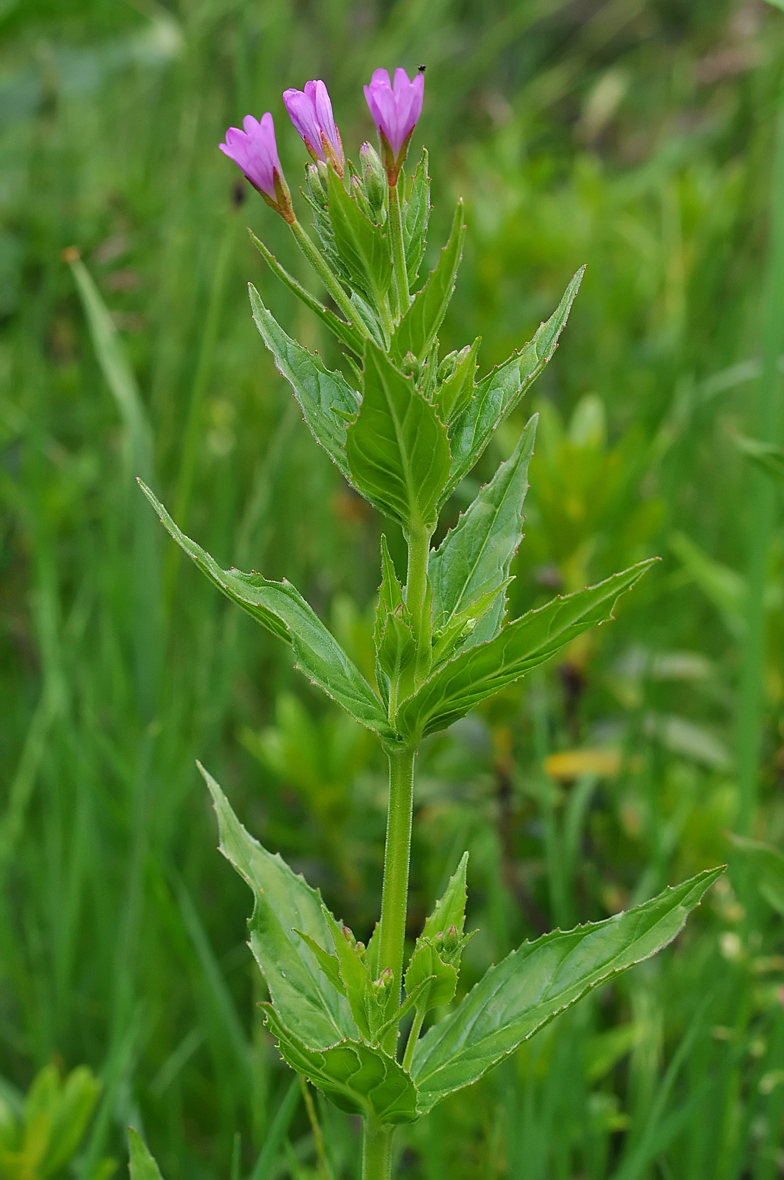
column 634, row 135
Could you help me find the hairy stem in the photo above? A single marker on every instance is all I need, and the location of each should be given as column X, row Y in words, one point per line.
column 399, row 269
column 418, row 599
column 376, row 1153
column 327, row 277
column 397, row 853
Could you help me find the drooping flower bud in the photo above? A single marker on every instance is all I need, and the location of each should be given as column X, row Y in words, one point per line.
column 310, row 110
column 373, row 179
column 395, row 110
column 255, row 153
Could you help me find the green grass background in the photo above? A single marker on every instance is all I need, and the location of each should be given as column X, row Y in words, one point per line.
column 635, row 135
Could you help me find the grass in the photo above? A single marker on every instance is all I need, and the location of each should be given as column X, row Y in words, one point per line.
column 635, row 136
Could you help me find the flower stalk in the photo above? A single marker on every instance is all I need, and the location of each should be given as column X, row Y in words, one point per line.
column 399, row 268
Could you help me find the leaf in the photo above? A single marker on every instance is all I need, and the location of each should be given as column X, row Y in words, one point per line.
column 483, row 670
column 474, row 558
column 498, row 393
column 284, row 904
column 346, row 333
column 455, row 392
column 426, row 964
column 766, row 456
column 362, row 246
column 418, row 327
column 450, row 909
column 433, row 954
column 142, row 1165
column 328, row 963
column 538, row 981
column 324, row 397
column 355, row 977
column 416, row 216
column 280, row 608
column 397, row 448
column 360, row 1079
column 767, row 865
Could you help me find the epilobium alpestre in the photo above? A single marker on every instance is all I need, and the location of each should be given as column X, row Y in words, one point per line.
column 404, row 431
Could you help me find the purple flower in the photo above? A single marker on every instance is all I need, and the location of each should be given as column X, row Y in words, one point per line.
column 254, row 152
column 395, row 110
column 311, row 113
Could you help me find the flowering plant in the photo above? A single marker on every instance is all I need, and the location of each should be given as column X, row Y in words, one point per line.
column 404, row 431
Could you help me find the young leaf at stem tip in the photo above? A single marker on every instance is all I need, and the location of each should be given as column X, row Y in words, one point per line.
column 537, row 982
column 416, row 216
column 363, row 247
column 280, row 608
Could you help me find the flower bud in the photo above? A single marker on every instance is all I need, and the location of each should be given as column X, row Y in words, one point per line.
column 317, row 183
column 373, row 179
column 254, row 152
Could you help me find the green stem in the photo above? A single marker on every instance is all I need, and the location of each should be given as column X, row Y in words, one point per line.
column 397, row 854
column 418, row 599
column 399, row 269
column 413, row 1037
column 327, row 277
column 376, row 1153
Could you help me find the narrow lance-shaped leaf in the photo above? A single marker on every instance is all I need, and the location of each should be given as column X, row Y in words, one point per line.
column 397, row 448
column 481, row 671
column 475, row 556
column 280, row 608
column 418, row 327
column 539, row 980
column 360, row 1079
column 500, row 391
column 284, row 904
column 346, row 333
column 326, row 398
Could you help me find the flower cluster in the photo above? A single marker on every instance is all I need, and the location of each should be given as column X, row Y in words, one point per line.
column 395, row 108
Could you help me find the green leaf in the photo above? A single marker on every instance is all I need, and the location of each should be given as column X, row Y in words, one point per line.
column 539, row 980
column 326, row 398
column 439, row 947
column 479, row 672
column 284, row 904
column 455, row 391
column 498, row 393
column 474, row 557
column 327, row 962
column 416, row 216
column 766, row 456
column 426, row 964
column 362, row 246
column 397, row 448
column 360, row 1079
column 450, row 909
column 346, row 333
column 356, row 980
column 418, row 327
column 282, row 609
column 767, row 866
column 142, row 1165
